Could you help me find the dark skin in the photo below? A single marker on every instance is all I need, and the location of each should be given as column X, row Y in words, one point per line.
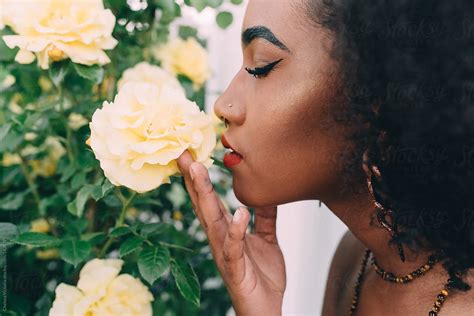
column 292, row 150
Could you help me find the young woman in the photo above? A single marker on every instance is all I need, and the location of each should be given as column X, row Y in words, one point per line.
column 366, row 105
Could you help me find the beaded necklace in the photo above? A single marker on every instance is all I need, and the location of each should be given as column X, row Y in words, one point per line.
column 388, row 276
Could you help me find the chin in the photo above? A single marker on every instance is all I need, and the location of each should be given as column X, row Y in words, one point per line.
column 253, row 198
column 246, row 195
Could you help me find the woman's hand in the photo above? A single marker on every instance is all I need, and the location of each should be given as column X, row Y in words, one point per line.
column 251, row 265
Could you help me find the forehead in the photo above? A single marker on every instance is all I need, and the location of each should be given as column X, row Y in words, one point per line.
column 285, row 18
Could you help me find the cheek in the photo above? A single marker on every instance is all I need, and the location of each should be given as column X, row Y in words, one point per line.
column 291, row 147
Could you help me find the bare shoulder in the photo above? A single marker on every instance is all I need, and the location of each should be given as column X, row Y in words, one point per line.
column 342, row 272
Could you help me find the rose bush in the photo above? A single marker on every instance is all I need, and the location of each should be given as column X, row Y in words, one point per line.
column 107, row 227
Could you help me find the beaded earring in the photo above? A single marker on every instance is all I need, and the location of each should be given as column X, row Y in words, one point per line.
column 384, row 216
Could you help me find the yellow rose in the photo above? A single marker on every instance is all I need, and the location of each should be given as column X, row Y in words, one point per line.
column 31, row 136
column 56, row 29
column 186, row 57
column 10, row 159
column 177, row 215
column 67, row 299
column 126, row 295
column 45, row 84
column 76, row 121
column 29, row 150
column 146, row 72
column 8, row 81
column 40, row 225
column 101, row 291
column 47, row 166
column 138, row 137
column 54, row 147
column 47, row 254
column 97, row 274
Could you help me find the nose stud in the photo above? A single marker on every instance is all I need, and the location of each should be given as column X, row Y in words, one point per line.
column 229, row 105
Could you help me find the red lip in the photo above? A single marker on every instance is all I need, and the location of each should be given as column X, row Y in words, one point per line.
column 226, row 144
column 233, row 158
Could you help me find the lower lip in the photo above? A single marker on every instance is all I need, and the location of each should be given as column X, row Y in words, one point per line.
column 232, row 159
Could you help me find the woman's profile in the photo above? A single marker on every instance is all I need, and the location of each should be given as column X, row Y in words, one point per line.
column 368, row 107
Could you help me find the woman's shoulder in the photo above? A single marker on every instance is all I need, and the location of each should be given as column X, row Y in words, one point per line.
column 342, row 273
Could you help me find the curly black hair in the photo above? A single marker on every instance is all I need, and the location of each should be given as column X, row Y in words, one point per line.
column 408, row 69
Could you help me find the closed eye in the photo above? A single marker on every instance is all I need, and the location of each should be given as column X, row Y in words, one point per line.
column 260, row 72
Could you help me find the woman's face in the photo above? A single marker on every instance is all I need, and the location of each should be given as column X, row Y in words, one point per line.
column 281, row 123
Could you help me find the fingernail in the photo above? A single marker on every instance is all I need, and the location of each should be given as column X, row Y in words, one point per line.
column 191, row 172
column 237, row 216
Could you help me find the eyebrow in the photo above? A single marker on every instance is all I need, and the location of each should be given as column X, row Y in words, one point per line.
column 261, row 32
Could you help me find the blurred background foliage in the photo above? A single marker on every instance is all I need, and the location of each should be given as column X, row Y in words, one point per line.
column 57, row 211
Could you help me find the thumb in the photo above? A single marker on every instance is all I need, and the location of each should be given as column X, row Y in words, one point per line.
column 234, row 243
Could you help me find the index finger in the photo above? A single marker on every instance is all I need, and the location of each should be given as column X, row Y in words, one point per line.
column 215, row 220
column 184, row 161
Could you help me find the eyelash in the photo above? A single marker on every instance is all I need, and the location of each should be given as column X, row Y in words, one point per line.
column 261, row 72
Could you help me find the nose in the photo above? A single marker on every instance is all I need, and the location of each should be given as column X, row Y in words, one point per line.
column 229, row 107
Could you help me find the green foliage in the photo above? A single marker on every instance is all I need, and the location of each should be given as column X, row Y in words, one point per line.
column 130, row 245
column 186, row 281
column 93, row 73
column 58, row 210
column 152, row 262
column 34, row 239
column 224, row 19
column 75, row 251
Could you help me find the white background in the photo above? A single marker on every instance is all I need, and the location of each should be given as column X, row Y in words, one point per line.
column 308, row 234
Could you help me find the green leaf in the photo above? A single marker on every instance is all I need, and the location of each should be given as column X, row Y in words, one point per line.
column 130, row 245
column 35, row 239
column 198, row 4
column 96, row 192
column 67, row 173
column 33, row 118
column 76, row 226
column 236, row 2
column 6, row 53
column 107, row 187
column 94, row 238
column 120, row 231
column 186, row 281
column 224, row 19
column 214, row 3
column 75, row 251
column 76, row 207
column 152, row 262
column 4, row 129
column 186, row 31
column 58, row 71
column 151, row 229
column 12, row 201
column 11, row 141
column 165, row 5
column 8, row 233
column 78, row 180
column 93, row 73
